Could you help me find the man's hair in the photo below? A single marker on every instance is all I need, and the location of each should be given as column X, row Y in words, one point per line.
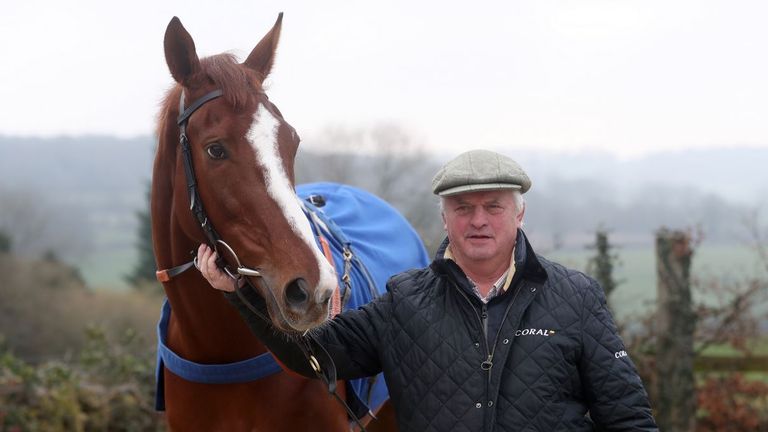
column 519, row 201
column 516, row 196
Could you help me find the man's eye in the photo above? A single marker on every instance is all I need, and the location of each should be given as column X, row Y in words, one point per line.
column 216, row 151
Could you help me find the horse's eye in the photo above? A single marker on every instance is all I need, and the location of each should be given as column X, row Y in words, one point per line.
column 216, row 151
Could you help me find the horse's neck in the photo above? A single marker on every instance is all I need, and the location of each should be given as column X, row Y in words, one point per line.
column 204, row 327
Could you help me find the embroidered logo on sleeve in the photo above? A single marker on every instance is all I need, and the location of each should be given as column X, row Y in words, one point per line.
column 620, row 354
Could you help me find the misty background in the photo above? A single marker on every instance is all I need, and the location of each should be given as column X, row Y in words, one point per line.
column 628, row 115
column 80, row 197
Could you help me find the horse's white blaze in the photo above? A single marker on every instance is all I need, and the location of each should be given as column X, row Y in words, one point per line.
column 263, row 138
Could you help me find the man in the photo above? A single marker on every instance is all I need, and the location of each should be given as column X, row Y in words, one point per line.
column 490, row 336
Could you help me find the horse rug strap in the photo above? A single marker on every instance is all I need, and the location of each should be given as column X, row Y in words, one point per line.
column 251, row 369
column 336, row 298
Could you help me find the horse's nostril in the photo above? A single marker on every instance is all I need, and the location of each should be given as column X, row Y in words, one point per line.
column 325, row 296
column 297, row 292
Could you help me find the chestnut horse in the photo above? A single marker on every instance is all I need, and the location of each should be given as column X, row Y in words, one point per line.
column 242, row 151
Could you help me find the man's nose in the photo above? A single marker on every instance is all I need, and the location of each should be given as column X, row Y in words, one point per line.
column 479, row 218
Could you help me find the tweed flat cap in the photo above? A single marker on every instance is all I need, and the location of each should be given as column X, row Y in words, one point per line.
column 479, row 170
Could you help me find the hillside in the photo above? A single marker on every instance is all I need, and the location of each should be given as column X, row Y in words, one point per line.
column 79, row 195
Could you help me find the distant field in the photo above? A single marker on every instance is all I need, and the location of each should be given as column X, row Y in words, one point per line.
column 107, row 270
column 637, row 271
column 758, row 347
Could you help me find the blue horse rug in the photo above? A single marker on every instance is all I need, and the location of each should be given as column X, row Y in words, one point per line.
column 382, row 244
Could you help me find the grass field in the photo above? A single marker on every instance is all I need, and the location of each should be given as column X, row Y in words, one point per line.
column 107, row 270
column 635, row 294
column 636, row 271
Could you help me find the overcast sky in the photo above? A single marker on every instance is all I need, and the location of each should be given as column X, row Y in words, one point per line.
column 627, row 77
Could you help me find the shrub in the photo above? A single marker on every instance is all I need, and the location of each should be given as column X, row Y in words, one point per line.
column 732, row 403
column 105, row 388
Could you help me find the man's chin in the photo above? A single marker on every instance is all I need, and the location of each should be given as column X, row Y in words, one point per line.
column 479, row 254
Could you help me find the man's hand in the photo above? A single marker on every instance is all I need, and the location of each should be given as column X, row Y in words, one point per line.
column 206, row 263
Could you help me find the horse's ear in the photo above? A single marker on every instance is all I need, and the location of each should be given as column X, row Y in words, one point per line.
column 180, row 52
column 262, row 57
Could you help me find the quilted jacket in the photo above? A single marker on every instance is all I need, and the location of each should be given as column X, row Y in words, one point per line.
column 543, row 356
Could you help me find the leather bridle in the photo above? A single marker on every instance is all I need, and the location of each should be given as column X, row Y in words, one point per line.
column 196, row 204
column 326, row 374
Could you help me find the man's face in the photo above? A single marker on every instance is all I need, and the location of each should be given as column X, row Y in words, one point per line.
column 481, row 226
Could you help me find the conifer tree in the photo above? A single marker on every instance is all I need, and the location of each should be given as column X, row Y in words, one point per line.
column 602, row 264
column 144, row 270
column 5, row 242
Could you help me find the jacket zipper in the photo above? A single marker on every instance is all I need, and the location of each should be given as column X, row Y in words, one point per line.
column 483, row 321
column 483, row 318
column 501, row 325
column 496, row 344
column 487, row 365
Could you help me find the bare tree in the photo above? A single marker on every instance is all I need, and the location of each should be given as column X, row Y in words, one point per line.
column 676, row 322
column 727, row 311
column 385, row 160
column 731, row 314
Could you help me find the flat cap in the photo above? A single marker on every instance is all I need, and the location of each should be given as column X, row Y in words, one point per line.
column 479, row 170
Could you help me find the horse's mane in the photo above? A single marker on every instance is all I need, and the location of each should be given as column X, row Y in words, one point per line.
column 223, row 70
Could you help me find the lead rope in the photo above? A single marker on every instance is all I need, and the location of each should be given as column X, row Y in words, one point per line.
column 327, row 375
column 328, row 378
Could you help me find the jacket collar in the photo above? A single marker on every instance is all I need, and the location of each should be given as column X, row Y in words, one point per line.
column 526, row 261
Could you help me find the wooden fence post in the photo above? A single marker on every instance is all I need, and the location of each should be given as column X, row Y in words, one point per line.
column 676, row 392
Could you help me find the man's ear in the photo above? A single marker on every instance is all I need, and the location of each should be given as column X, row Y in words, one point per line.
column 519, row 216
column 445, row 225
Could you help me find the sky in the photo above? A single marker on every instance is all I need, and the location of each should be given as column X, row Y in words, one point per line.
column 628, row 78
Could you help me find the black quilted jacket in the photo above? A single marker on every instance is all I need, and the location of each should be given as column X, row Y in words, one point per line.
column 544, row 356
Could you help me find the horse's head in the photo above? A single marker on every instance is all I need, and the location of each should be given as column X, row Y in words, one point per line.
column 242, row 151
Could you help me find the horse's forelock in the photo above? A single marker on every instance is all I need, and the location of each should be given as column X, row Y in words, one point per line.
column 235, row 81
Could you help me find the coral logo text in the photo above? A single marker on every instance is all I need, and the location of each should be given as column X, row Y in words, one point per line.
column 534, row 332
